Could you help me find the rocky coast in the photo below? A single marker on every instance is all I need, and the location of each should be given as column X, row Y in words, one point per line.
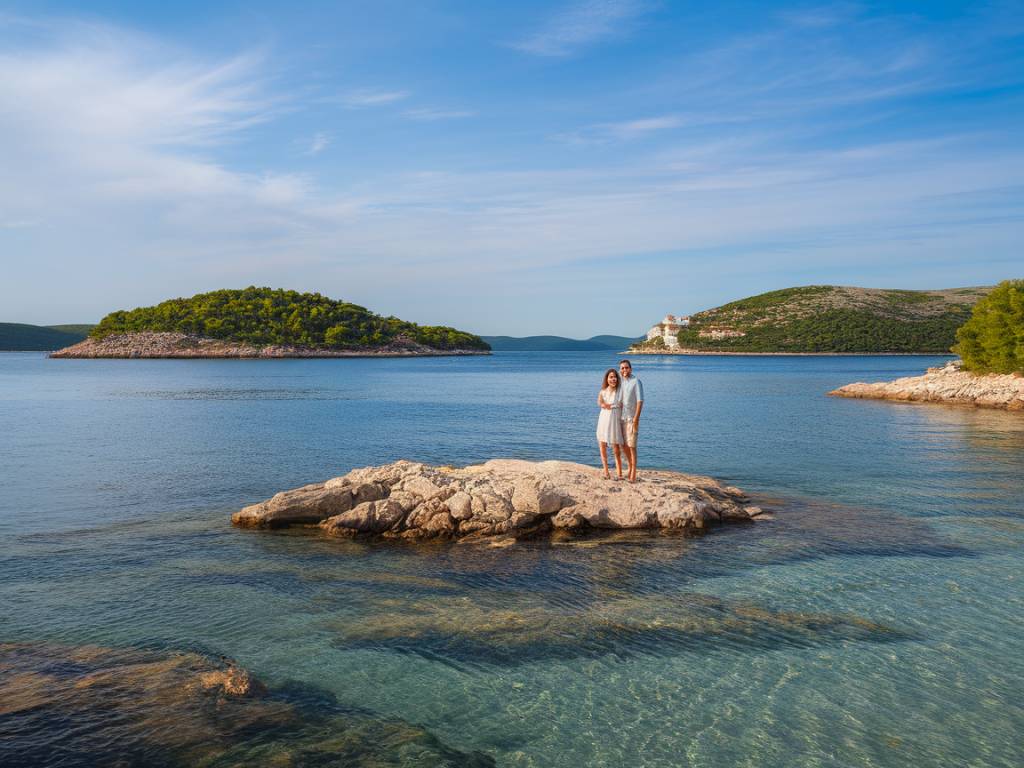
column 725, row 353
column 505, row 498
column 946, row 384
column 153, row 344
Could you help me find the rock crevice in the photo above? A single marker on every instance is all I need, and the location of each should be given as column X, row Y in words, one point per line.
column 408, row 500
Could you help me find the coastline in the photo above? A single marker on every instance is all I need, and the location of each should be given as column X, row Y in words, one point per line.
column 722, row 353
column 946, row 385
column 179, row 346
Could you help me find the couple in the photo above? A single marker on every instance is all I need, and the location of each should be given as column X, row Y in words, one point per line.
column 621, row 399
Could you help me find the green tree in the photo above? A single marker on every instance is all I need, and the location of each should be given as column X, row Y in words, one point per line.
column 992, row 341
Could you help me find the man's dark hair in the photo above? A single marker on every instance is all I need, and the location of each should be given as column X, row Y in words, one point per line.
column 626, row 362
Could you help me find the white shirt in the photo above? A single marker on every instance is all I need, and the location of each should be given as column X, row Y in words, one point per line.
column 632, row 393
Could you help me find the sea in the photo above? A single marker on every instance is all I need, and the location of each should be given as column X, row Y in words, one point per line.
column 877, row 619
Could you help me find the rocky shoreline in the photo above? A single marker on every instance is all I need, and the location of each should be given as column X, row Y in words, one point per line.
column 946, row 384
column 723, row 353
column 155, row 345
column 501, row 498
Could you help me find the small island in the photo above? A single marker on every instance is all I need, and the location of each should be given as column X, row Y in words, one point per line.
column 505, row 498
column 265, row 323
column 990, row 373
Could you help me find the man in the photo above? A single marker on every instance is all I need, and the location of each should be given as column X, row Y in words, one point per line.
column 632, row 405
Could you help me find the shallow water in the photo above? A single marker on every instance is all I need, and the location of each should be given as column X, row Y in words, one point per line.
column 875, row 621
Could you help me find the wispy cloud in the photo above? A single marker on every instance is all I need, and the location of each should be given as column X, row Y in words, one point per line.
column 106, row 119
column 583, row 23
column 318, row 144
column 822, row 16
column 370, row 97
column 20, row 224
column 431, row 114
column 626, row 130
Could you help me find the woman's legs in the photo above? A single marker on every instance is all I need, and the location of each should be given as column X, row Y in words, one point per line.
column 604, row 457
column 618, row 459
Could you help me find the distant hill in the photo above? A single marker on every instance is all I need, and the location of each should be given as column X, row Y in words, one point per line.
column 21, row 337
column 82, row 328
column 830, row 318
column 558, row 343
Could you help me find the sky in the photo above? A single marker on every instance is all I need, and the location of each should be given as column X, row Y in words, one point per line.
column 572, row 167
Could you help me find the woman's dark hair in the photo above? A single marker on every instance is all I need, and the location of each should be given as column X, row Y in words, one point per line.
column 604, row 381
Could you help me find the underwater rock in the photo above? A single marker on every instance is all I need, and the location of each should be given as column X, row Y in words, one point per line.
column 520, row 631
column 89, row 706
column 501, row 497
column 946, row 384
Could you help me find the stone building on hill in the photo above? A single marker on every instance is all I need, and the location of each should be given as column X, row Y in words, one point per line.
column 668, row 329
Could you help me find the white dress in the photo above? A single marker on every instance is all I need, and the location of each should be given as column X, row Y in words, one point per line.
column 609, row 423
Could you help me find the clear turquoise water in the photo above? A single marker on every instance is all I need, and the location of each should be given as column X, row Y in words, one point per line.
column 877, row 620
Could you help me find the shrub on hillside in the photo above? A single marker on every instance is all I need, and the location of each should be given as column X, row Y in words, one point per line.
column 992, row 341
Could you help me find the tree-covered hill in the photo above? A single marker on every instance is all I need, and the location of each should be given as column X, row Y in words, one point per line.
column 268, row 316
column 829, row 318
column 992, row 341
column 21, row 337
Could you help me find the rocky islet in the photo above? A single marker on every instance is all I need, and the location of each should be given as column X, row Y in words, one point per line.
column 501, row 498
column 945, row 384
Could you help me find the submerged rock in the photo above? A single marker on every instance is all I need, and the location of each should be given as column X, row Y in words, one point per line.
column 89, row 705
column 518, row 630
column 501, row 497
column 946, row 384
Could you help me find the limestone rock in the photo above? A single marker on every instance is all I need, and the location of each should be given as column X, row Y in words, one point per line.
column 946, row 384
column 500, row 497
column 309, row 504
column 165, row 344
column 368, row 517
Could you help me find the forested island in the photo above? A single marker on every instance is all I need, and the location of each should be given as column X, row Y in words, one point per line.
column 828, row 319
column 265, row 322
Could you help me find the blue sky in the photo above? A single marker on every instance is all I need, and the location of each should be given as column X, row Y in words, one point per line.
column 575, row 167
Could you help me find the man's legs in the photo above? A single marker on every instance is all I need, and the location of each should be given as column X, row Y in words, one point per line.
column 631, row 449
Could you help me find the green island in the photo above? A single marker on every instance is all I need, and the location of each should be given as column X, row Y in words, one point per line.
column 256, row 319
column 830, row 319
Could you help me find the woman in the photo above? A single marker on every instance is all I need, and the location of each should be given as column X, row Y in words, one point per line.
column 609, row 423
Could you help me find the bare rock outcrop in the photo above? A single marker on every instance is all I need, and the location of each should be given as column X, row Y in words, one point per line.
column 946, row 384
column 153, row 344
column 501, row 497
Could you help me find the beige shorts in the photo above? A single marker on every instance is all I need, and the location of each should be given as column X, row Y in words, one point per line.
column 629, row 430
